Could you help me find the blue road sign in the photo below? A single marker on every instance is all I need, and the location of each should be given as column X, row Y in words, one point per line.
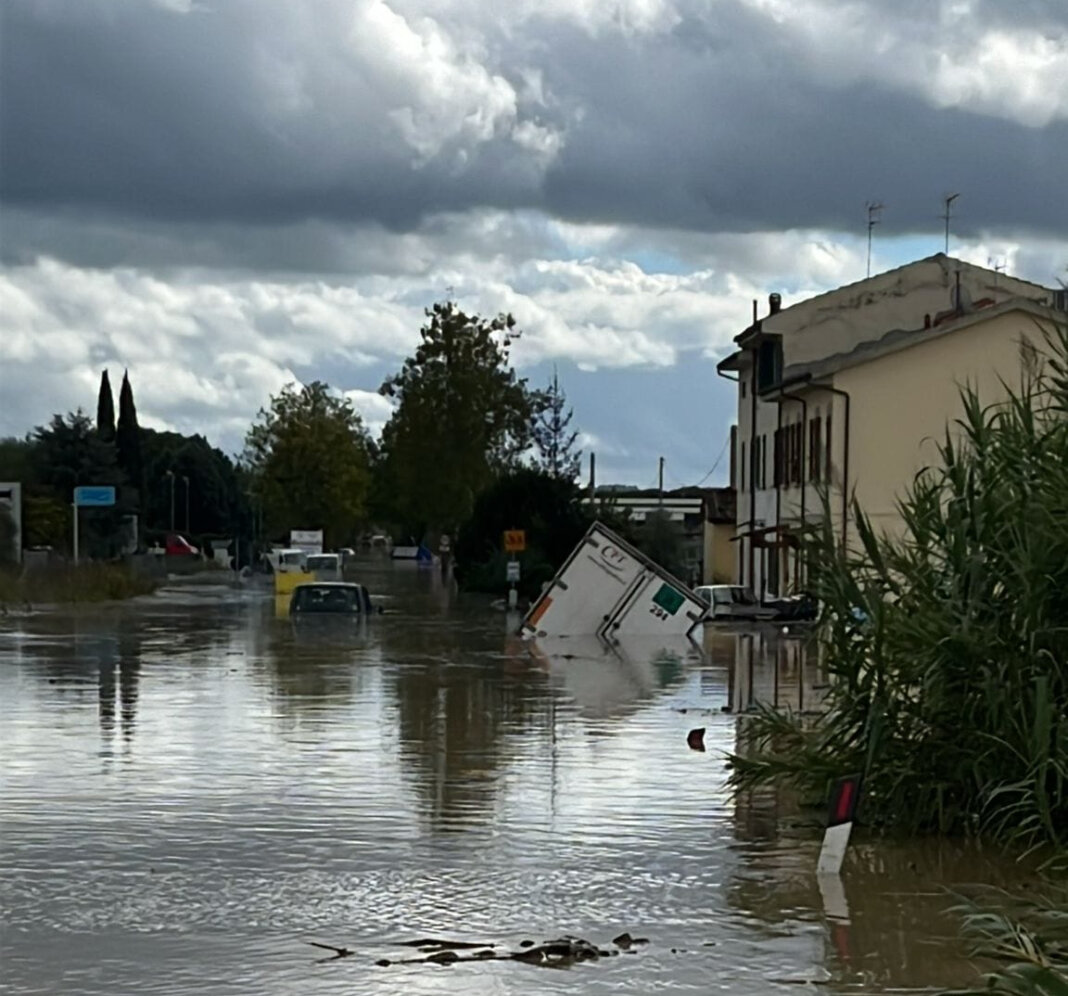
column 94, row 497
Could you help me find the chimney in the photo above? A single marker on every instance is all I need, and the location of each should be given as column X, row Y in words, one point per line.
column 774, row 303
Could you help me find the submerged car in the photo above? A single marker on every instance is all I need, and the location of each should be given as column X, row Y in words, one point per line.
column 330, row 598
column 732, row 601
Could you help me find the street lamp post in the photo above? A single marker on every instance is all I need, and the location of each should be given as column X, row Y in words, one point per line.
column 186, row 479
column 170, row 475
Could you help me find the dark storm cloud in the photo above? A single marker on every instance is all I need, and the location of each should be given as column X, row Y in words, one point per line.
column 247, row 114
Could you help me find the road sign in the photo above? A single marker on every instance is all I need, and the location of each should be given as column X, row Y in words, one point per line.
column 515, row 540
column 94, row 497
column 513, row 570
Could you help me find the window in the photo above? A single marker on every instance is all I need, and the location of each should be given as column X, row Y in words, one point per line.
column 815, row 447
column 741, row 469
column 777, row 446
column 797, row 446
column 769, row 363
column 829, row 441
column 741, row 384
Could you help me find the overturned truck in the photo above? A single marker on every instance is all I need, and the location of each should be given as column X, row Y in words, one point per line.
column 608, row 588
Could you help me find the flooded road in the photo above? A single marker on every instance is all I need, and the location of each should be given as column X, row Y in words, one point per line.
column 192, row 788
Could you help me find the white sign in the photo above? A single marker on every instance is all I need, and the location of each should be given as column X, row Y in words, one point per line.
column 306, row 540
column 513, row 570
column 11, row 503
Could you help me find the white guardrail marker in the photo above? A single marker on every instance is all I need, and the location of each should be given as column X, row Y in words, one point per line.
column 844, row 798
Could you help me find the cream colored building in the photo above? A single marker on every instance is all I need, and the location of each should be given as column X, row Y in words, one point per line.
column 854, row 389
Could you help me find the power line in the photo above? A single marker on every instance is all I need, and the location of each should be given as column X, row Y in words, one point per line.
column 719, row 459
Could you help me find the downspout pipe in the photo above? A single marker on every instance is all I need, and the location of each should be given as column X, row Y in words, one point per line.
column 752, row 425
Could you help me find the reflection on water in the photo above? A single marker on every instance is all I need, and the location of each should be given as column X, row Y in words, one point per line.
column 194, row 785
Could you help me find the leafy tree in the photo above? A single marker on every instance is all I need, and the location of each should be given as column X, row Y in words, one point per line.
column 308, row 457
column 67, row 453
column 105, row 410
column 205, row 479
column 553, row 435
column 462, row 417
column 550, row 510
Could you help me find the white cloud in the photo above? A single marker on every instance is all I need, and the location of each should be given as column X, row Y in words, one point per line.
column 952, row 55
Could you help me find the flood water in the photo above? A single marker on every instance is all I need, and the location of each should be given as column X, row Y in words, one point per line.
column 192, row 788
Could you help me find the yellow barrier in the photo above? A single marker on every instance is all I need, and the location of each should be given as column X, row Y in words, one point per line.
column 285, row 583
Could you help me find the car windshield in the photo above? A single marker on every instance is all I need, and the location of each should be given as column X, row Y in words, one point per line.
column 742, row 596
column 326, row 599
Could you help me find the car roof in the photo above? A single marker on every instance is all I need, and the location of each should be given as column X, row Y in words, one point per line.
column 328, row 584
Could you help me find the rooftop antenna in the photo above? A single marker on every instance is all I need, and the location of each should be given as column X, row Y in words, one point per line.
column 950, row 198
column 874, row 210
column 997, row 265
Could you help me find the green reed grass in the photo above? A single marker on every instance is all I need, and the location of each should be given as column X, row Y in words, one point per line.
column 947, row 647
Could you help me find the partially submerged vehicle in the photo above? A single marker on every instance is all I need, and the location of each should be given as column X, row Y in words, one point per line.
column 610, row 589
column 733, row 601
column 346, row 598
column 325, row 566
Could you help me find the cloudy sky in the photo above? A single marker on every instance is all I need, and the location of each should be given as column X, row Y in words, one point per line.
column 228, row 195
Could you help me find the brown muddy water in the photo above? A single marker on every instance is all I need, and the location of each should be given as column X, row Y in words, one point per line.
column 192, row 788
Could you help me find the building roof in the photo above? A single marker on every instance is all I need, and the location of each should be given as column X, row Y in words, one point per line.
column 898, row 339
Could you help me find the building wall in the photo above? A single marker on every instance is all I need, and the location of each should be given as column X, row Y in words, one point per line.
column 903, row 402
column 719, row 555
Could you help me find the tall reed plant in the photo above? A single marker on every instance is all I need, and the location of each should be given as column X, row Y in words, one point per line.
column 947, row 645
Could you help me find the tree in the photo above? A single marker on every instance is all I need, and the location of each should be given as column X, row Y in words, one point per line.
column 67, row 453
column 552, row 435
column 105, row 410
column 547, row 507
column 462, row 417
column 202, row 474
column 128, row 436
column 308, row 457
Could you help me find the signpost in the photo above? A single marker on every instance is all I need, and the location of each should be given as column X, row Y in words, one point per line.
column 515, row 541
column 90, row 496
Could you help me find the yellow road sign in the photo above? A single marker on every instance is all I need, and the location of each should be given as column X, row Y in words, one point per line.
column 515, row 540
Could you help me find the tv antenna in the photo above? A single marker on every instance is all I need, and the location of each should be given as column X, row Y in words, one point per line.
column 948, row 201
column 874, row 211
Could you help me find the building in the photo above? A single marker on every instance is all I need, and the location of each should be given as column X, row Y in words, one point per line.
column 703, row 518
column 850, row 391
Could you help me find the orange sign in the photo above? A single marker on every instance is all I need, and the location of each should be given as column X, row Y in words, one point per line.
column 515, row 540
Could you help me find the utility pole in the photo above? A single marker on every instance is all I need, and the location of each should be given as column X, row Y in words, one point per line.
column 950, row 198
column 185, row 478
column 170, row 476
column 874, row 210
column 593, row 477
column 660, row 484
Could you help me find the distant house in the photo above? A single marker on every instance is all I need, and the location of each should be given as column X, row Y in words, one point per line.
column 703, row 517
column 851, row 390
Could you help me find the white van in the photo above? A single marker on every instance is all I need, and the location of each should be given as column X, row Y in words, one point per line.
column 325, row 566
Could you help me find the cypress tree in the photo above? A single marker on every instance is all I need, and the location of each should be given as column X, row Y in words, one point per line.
column 105, row 410
column 128, row 434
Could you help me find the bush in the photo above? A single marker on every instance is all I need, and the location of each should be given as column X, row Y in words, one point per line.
column 947, row 648
column 91, row 582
